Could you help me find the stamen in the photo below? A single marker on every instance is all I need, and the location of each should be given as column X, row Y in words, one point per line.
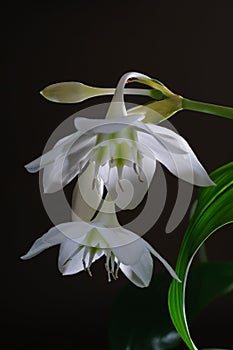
column 89, row 271
column 84, row 265
column 92, row 252
column 138, row 172
column 84, row 257
column 107, row 265
column 135, row 168
column 117, row 268
column 113, row 266
column 140, row 179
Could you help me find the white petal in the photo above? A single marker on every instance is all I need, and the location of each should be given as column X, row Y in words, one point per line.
column 75, row 264
column 58, row 150
column 105, row 126
column 67, row 249
column 96, row 235
column 165, row 138
column 86, row 198
column 163, row 261
column 49, row 239
column 140, row 274
column 75, row 231
column 184, row 166
column 140, row 187
column 63, row 169
column 130, row 254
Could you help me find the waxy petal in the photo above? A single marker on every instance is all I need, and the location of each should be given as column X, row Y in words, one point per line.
column 185, row 166
column 140, row 273
column 162, row 260
column 49, row 239
column 140, row 183
column 94, row 235
column 86, row 198
column 131, row 253
column 58, row 150
column 105, row 126
column 67, row 249
column 166, row 141
column 63, row 169
column 75, row 263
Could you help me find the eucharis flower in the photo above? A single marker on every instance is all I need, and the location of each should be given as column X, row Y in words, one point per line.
column 81, row 243
column 124, row 149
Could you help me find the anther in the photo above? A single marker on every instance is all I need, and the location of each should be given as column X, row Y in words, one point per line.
column 140, row 179
column 117, row 269
column 89, row 272
column 108, row 271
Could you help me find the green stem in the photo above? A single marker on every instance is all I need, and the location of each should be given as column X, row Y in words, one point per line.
column 220, row 111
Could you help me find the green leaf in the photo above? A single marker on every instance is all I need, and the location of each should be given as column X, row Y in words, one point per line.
column 214, row 209
column 140, row 317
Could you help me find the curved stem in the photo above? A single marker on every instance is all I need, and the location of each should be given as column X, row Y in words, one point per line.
column 127, row 91
column 220, row 111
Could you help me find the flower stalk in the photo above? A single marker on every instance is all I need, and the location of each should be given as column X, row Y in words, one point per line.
column 220, row 111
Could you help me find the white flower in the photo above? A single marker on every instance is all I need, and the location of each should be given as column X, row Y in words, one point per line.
column 81, row 243
column 124, row 151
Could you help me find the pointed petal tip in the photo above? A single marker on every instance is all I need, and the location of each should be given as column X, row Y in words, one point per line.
column 28, row 168
column 67, row 272
column 24, row 257
column 146, row 285
column 168, row 230
column 208, row 182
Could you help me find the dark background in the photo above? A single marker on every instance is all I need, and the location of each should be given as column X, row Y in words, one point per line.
column 186, row 45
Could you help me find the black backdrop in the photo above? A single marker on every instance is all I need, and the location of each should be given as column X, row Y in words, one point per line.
column 186, row 45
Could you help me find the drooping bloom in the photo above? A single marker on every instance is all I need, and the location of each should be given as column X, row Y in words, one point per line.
column 124, row 149
column 81, row 243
